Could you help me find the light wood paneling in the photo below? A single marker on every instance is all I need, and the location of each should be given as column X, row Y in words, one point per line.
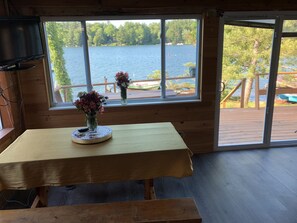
column 194, row 121
column 11, row 109
column 11, row 116
column 115, row 7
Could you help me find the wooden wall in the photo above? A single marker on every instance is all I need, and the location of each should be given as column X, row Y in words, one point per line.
column 116, row 7
column 194, row 121
column 11, row 109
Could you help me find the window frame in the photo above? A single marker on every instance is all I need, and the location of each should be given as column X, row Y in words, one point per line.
column 142, row 101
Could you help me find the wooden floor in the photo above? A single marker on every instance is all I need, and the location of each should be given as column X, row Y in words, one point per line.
column 256, row 186
column 239, row 126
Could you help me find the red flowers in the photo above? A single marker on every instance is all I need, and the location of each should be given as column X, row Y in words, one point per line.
column 90, row 102
column 122, row 79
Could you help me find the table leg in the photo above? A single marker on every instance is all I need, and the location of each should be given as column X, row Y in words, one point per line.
column 149, row 191
column 41, row 197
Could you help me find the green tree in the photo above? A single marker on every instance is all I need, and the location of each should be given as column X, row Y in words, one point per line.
column 155, row 31
column 126, row 34
column 247, row 52
column 110, row 31
column 70, row 33
column 288, row 55
column 100, row 37
column 181, row 31
column 174, row 32
column 142, row 34
column 56, row 44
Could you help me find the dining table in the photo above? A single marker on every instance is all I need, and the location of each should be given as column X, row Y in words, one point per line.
column 40, row 158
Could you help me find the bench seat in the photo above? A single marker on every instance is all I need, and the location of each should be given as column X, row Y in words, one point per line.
column 167, row 210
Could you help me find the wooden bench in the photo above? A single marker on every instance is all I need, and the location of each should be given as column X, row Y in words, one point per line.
column 167, row 210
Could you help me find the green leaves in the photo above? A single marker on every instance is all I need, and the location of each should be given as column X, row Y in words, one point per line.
column 129, row 33
column 56, row 44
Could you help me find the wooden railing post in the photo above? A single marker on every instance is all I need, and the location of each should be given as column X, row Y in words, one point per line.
column 65, row 94
column 242, row 92
column 257, row 87
column 233, row 91
column 105, row 84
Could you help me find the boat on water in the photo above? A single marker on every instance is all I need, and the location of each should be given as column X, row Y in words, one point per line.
column 145, row 85
column 289, row 97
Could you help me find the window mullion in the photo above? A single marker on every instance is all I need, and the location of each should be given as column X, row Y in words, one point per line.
column 86, row 56
column 163, row 64
column 198, row 58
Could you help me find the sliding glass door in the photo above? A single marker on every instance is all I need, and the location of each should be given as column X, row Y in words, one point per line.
column 247, row 50
column 284, row 123
column 257, row 101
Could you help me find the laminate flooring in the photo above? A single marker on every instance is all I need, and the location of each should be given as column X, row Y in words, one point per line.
column 255, row 186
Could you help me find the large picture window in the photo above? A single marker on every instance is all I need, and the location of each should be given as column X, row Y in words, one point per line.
column 161, row 56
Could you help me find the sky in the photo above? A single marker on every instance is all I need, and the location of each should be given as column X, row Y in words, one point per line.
column 117, row 23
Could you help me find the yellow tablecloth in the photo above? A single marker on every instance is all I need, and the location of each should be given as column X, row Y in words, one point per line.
column 48, row 157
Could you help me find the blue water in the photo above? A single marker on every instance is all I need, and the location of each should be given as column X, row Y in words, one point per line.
column 138, row 61
column 262, row 85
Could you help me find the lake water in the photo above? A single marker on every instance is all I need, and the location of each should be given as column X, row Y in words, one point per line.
column 138, row 61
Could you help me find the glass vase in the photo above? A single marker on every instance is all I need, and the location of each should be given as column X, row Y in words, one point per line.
column 124, row 95
column 92, row 122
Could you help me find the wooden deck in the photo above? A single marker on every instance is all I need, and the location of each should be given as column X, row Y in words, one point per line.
column 241, row 126
column 138, row 94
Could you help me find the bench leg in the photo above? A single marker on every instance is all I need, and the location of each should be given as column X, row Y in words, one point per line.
column 41, row 197
column 149, row 190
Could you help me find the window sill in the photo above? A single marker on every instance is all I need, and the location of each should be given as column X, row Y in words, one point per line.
column 5, row 134
column 131, row 103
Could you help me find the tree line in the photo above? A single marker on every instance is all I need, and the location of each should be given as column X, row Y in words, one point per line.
column 130, row 33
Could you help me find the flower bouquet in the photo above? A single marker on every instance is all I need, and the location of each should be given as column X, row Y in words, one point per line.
column 123, row 81
column 90, row 103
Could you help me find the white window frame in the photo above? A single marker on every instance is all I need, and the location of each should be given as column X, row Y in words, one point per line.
column 279, row 17
column 1, row 125
column 143, row 101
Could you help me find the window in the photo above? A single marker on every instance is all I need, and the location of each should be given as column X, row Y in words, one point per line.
column 161, row 56
column 1, row 126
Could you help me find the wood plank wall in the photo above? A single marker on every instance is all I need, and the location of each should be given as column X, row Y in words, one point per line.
column 11, row 109
column 11, row 115
column 194, row 121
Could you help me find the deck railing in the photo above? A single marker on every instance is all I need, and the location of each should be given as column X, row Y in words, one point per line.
column 279, row 90
column 288, row 89
column 240, row 84
column 113, row 87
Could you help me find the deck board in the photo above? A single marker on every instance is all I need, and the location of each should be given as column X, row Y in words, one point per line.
column 240, row 125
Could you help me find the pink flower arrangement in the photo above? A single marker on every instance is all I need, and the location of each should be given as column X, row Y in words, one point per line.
column 122, row 79
column 90, row 102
